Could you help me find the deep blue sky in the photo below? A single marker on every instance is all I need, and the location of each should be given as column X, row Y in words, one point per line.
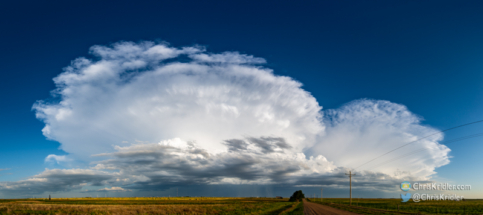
column 427, row 55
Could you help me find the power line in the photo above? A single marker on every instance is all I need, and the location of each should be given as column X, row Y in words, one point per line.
column 419, row 149
column 405, row 155
column 439, row 132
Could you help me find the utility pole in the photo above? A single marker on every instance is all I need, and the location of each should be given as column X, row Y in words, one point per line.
column 350, row 189
column 177, row 192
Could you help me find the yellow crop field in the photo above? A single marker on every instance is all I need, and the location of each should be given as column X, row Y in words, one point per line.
column 148, row 205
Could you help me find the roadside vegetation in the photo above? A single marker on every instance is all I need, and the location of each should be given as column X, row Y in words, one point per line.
column 297, row 209
column 390, row 206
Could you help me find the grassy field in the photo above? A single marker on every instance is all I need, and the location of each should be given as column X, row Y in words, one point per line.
column 185, row 205
column 390, row 206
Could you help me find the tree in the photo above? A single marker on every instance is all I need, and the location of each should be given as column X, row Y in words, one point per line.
column 297, row 196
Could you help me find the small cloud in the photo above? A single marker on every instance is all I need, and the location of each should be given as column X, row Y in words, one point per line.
column 4, row 169
column 56, row 158
column 113, row 189
column 227, row 57
column 236, row 145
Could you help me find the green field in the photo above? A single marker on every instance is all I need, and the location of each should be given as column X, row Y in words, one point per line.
column 185, row 205
column 390, row 206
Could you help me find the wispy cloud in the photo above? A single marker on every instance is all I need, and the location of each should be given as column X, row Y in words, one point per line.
column 57, row 158
column 115, row 189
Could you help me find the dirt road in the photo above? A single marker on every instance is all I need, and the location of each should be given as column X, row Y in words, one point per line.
column 317, row 209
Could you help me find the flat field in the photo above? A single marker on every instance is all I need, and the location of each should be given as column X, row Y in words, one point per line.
column 157, row 205
column 390, row 206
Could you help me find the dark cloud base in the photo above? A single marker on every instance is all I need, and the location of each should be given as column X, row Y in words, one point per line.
column 224, row 191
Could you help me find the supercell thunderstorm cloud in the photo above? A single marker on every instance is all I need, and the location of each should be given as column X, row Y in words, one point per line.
column 149, row 115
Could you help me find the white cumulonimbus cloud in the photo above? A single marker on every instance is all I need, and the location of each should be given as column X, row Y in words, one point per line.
column 157, row 114
column 140, row 92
